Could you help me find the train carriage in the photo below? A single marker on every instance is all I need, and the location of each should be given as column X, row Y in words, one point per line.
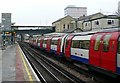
column 80, row 48
column 105, row 51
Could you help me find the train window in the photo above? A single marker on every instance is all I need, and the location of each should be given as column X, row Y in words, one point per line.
column 75, row 43
column 97, row 43
column 106, row 43
column 54, row 42
column 85, row 44
column 44, row 42
column 119, row 46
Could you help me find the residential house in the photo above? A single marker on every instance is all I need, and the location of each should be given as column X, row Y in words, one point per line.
column 97, row 21
column 63, row 24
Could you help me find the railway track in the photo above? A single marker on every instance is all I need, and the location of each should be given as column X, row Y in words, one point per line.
column 47, row 70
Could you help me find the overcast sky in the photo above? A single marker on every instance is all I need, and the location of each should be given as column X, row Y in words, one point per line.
column 44, row 12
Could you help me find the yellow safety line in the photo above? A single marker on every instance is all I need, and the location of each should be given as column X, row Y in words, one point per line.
column 29, row 75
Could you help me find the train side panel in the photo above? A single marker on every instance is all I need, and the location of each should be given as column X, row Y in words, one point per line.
column 80, row 48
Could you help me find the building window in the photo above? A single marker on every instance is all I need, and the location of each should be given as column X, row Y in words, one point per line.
column 64, row 26
column 85, row 24
column 68, row 26
column 96, row 22
column 110, row 22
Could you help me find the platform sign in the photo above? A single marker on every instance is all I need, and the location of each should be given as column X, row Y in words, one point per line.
column 6, row 21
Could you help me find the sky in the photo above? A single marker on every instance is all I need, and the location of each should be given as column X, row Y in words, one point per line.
column 44, row 12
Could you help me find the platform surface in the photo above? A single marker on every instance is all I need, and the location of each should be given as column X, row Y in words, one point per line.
column 13, row 65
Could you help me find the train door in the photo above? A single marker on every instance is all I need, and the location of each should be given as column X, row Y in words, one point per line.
column 95, row 49
column 118, row 57
column 106, row 56
column 68, row 46
column 109, row 50
column 58, row 46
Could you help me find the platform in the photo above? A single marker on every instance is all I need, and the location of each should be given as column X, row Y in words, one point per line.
column 14, row 65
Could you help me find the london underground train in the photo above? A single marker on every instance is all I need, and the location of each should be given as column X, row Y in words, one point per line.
column 99, row 50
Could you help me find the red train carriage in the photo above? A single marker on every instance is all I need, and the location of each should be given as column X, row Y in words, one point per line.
column 105, row 51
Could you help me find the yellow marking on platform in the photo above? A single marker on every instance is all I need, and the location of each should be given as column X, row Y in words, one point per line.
column 26, row 68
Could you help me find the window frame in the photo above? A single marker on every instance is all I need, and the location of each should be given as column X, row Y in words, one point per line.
column 64, row 26
column 74, row 42
column 110, row 22
column 97, row 42
column 81, row 44
column 106, row 40
column 54, row 42
column 96, row 22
